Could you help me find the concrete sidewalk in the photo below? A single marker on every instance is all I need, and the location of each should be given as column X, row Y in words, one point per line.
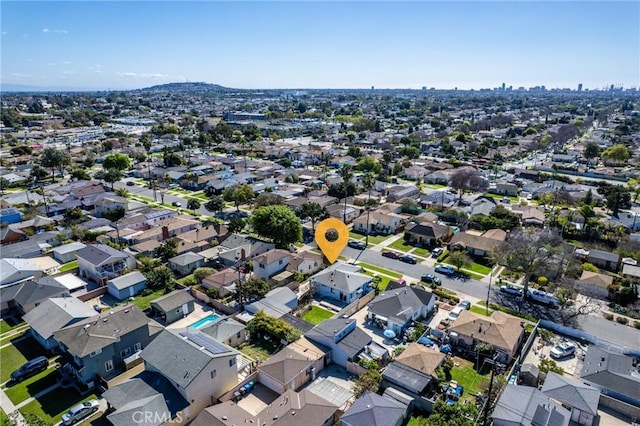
column 12, row 411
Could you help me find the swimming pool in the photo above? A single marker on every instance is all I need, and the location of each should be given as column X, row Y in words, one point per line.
column 204, row 321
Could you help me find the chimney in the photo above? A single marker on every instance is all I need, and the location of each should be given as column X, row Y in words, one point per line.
column 165, row 233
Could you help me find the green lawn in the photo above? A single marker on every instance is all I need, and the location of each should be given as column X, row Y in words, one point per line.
column 316, row 315
column 421, row 251
column 384, row 282
column 4, row 419
column 68, row 266
column 380, row 270
column 257, row 350
column 474, row 267
column 482, row 310
column 144, row 302
column 23, row 390
column 417, row 421
column 466, row 376
column 400, row 245
column 377, row 239
column 6, row 326
column 52, row 406
column 12, row 359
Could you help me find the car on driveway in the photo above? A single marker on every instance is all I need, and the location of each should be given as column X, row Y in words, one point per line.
column 356, row 244
column 430, row 278
column 465, row 304
column 563, row 350
column 455, row 313
column 511, row 289
column 408, row 259
column 436, row 252
column 445, row 269
column 29, row 369
column 80, row 411
column 390, row 254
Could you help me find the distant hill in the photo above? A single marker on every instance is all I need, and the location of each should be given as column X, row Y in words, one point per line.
column 188, row 87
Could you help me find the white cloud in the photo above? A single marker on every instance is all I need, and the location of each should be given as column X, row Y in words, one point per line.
column 142, row 75
column 45, row 30
column 61, row 31
column 52, row 64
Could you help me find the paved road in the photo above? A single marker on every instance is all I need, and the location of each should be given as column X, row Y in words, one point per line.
column 168, row 198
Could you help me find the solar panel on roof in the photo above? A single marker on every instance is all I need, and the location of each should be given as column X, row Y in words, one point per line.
column 206, row 342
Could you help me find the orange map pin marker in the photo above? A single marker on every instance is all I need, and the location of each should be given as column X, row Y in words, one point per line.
column 332, row 249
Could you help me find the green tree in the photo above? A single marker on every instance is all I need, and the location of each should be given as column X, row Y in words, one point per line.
column 444, row 414
column 467, row 179
column 367, row 382
column 80, row 174
column 53, row 159
column 237, row 224
column 38, row 173
column 618, row 153
column 215, row 204
column 459, row 259
column 548, row 364
column 193, row 204
column 112, row 176
column 313, row 211
column 238, row 194
column 201, row 273
column 123, row 192
column 167, row 250
column 590, row 267
column 267, row 199
column 591, row 150
column 117, row 161
column 251, row 289
column 368, row 181
column 278, row 223
column 160, row 278
column 278, row 329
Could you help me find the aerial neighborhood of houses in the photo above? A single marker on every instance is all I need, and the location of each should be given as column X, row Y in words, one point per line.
column 159, row 262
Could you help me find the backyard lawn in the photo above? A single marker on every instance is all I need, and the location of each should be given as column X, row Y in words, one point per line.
column 68, row 266
column 316, row 315
column 53, row 405
column 31, row 386
column 466, row 376
column 144, row 302
column 260, row 350
column 17, row 353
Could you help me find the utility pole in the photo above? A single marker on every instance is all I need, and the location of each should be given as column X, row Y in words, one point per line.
column 487, row 404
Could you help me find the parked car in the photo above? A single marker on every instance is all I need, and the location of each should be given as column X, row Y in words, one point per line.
column 430, row 278
column 563, row 350
column 510, row 289
column 176, row 204
column 131, row 183
column 436, row 252
column 455, row 313
column 408, row 259
column 445, row 269
column 465, row 304
column 80, row 411
column 29, row 369
column 390, row 254
column 359, row 245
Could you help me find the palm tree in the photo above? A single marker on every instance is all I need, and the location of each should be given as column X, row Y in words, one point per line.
column 346, row 174
column 368, row 180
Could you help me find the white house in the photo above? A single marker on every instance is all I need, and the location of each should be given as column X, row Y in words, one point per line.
column 270, row 263
column 342, row 282
column 101, row 263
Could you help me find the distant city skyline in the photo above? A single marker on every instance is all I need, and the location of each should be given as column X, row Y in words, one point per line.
column 270, row 45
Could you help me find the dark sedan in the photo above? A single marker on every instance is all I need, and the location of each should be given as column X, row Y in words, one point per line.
column 430, row 278
column 359, row 245
column 408, row 259
column 390, row 254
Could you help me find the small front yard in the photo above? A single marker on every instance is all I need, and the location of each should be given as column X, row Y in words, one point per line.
column 482, row 310
column 53, row 405
column 24, row 390
column 316, row 315
column 373, row 239
column 16, row 354
column 380, row 270
column 7, row 325
column 466, row 376
column 473, row 267
column 401, row 245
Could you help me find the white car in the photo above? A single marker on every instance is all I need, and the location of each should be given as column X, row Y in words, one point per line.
column 455, row 313
column 563, row 350
column 80, row 411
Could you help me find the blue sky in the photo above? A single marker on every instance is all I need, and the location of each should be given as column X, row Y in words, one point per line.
column 330, row 44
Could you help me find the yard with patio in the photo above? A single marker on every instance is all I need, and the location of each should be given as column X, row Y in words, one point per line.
column 258, row 350
column 316, row 315
column 464, row 373
column 144, row 301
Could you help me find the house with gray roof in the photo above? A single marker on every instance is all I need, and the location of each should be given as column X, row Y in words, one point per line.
column 14, row 271
column 186, row 263
column 147, row 392
column 398, row 306
column 173, row 306
column 52, row 315
column 127, row 285
column 100, row 263
column 528, row 406
column 67, row 252
column 96, row 347
column 342, row 282
column 372, row 409
column 612, row 373
column 228, row 331
column 275, row 303
column 582, row 399
column 198, row 366
column 25, row 296
column 345, row 339
column 604, row 259
column 290, row 369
